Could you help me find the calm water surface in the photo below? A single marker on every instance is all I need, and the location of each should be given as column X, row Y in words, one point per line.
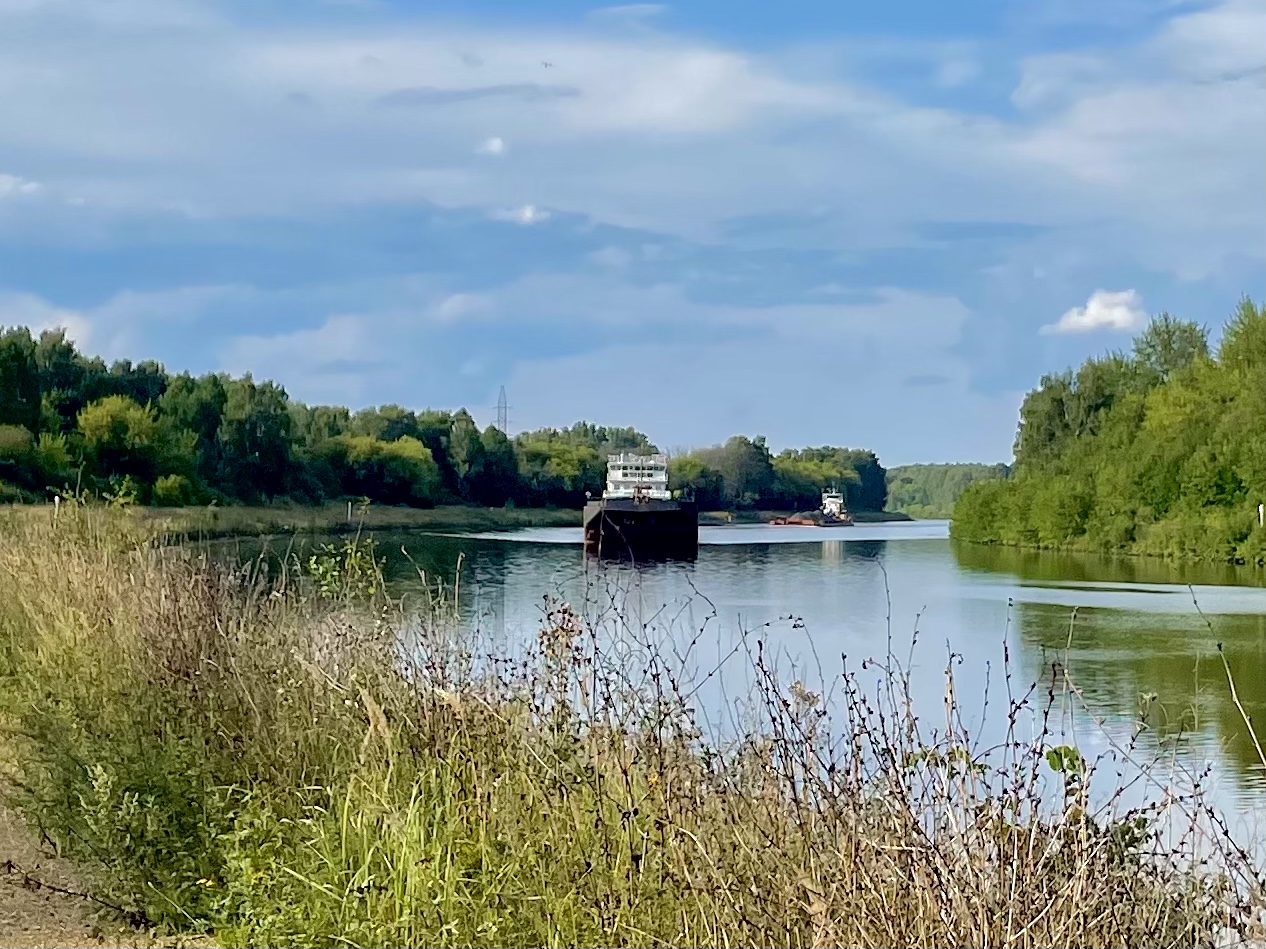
column 817, row 595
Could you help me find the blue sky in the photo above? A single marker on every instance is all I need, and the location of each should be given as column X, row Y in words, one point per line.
column 862, row 224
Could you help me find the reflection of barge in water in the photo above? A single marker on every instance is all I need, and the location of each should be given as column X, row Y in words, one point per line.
column 832, row 513
column 637, row 517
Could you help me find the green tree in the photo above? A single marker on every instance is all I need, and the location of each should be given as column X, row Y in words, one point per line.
column 121, row 439
column 254, row 440
column 1169, row 345
column 933, row 490
column 143, row 383
column 496, row 478
column 746, row 469
column 386, row 423
column 1243, row 345
column 397, row 472
column 312, row 425
column 1161, row 453
column 466, row 451
column 63, row 374
column 692, row 476
column 20, row 402
column 17, row 456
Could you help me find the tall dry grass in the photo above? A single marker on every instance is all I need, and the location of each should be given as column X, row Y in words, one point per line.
column 296, row 759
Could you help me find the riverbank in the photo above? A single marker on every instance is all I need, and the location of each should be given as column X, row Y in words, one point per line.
column 256, row 521
column 1178, row 540
column 1251, row 553
column 334, row 519
column 253, row 761
column 721, row 518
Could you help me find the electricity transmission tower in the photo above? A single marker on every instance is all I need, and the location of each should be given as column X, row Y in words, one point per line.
column 503, row 412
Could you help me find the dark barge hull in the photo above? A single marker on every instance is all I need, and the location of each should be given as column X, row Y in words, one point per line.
column 642, row 529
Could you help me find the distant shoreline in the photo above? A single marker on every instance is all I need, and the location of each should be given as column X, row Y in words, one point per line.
column 722, row 518
column 332, row 518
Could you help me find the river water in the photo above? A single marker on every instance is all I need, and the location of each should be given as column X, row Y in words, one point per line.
column 1128, row 633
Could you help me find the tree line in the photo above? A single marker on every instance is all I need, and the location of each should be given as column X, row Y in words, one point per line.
column 136, row 432
column 931, row 491
column 1161, row 450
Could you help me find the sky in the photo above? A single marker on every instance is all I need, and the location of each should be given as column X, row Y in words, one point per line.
column 868, row 224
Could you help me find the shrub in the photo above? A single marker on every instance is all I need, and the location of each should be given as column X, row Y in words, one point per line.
column 173, row 491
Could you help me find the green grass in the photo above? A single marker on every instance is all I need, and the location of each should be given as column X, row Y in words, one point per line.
column 253, row 757
column 333, row 519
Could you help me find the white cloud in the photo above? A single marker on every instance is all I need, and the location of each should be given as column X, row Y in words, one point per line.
column 461, row 306
column 38, row 315
column 1120, row 310
column 642, row 128
column 12, row 186
column 630, row 11
column 492, row 146
column 338, row 361
column 526, row 214
column 1145, row 133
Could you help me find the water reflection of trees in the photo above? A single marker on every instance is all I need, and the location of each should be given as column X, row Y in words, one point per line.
column 1160, row 670
column 1058, row 566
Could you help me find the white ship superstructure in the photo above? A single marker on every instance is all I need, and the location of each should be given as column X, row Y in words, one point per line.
column 832, row 503
column 637, row 476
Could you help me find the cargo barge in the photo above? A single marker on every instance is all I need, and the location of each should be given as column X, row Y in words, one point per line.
column 637, row 517
column 832, row 513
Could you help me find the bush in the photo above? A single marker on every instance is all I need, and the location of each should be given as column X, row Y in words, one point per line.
column 173, row 491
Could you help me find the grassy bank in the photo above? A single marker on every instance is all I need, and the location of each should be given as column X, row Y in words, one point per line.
column 247, row 521
column 255, row 759
column 333, row 519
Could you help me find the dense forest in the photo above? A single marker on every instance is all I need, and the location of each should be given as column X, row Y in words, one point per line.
column 930, row 491
column 137, row 434
column 1158, row 451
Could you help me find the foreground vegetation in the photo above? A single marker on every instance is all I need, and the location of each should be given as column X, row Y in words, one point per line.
column 931, row 491
column 262, row 759
column 136, row 433
column 1162, row 451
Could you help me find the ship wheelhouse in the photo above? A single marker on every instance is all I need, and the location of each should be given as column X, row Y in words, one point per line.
column 833, row 503
column 637, row 476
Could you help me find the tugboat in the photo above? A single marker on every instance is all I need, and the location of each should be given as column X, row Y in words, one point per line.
column 637, row 517
column 832, row 513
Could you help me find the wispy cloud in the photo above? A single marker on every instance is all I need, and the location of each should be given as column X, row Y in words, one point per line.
column 494, row 145
column 522, row 91
column 635, row 12
column 13, row 186
column 36, row 313
column 644, row 129
column 372, row 169
column 526, row 214
column 1120, row 310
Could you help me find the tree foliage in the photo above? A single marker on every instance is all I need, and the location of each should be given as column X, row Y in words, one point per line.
column 932, row 490
column 742, row 473
column 184, row 439
column 1160, row 452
